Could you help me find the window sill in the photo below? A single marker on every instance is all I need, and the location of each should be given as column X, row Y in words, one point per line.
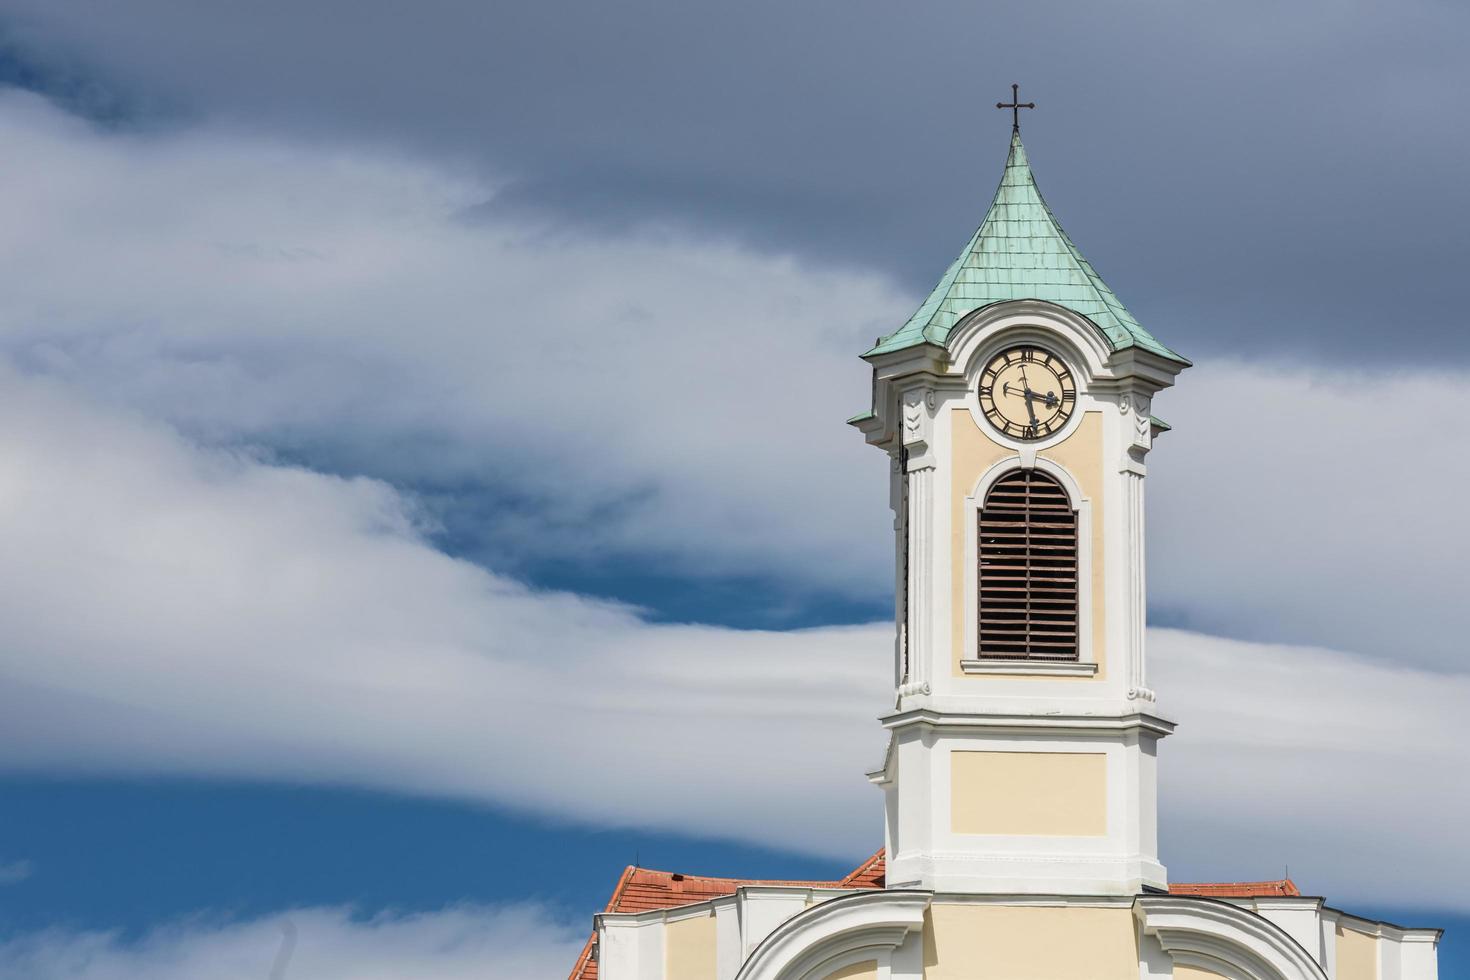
column 1041, row 668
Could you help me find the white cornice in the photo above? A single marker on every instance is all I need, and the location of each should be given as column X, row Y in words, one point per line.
column 934, row 718
column 1376, row 927
column 1042, row 901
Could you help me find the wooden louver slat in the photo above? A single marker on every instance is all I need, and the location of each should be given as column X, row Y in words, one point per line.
column 1028, row 570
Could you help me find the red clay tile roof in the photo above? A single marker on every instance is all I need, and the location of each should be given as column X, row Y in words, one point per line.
column 869, row 874
column 1236, row 889
column 642, row 889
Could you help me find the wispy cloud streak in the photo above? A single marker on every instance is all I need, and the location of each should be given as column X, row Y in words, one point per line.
column 180, row 610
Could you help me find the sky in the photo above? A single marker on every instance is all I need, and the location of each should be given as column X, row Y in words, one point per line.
column 422, row 460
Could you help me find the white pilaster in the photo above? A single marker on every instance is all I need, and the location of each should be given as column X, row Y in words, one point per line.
column 1135, row 599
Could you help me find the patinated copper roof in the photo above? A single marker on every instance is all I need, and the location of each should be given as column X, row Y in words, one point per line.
column 1021, row 252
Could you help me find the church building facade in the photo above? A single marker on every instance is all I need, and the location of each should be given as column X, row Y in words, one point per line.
column 1019, row 782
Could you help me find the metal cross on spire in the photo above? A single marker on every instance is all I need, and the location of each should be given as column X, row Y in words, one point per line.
column 1015, row 105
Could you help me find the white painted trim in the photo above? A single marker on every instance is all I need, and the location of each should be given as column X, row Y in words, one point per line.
column 880, row 951
column 921, row 634
column 970, row 515
column 729, row 951
column 1135, row 605
column 983, row 331
column 1377, row 927
column 870, row 925
column 672, row 913
column 1043, row 718
column 629, row 948
column 1224, row 939
column 1052, row 669
column 1035, row 901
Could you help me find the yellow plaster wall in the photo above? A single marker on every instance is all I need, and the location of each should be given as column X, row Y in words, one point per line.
column 689, row 948
column 1357, row 955
column 1063, row 794
column 867, row 970
column 1080, row 454
column 1008, row 942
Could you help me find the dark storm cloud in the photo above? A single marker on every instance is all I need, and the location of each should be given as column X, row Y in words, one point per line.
column 1245, row 174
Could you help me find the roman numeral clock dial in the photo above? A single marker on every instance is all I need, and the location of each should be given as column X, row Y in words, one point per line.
column 1027, row 393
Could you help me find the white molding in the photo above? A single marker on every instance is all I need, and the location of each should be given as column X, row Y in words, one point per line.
column 879, row 951
column 1377, row 927
column 729, row 951
column 1136, row 600
column 672, row 913
column 927, row 849
column 1022, row 861
column 898, row 502
column 984, row 331
column 883, row 774
column 1044, row 873
column 1092, row 358
column 920, row 631
column 1055, row 668
column 866, row 925
column 762, row 909
column 1050, row 721
column 1083, row 507
column 629, row 947
column 1224, row 939
column 1035, row 900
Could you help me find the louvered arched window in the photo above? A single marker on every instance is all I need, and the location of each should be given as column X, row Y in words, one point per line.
column 1028, row 582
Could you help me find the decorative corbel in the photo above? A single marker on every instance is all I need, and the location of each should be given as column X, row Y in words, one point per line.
column 918, row 426
column 1137, row 430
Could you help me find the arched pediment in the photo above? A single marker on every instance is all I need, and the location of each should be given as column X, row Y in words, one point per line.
column 837, row 933
column 1224, row 939
column 1074, row 337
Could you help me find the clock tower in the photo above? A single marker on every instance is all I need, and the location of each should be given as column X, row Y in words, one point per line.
column 1014, row 407
column 1020, row 777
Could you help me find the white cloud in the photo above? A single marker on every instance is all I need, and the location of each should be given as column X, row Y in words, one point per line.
column 456, row 943
column 174, row 608
column 169, row 609
column 338, row 303
column 1317, row 507
column 1345, row 769
column 673, row 399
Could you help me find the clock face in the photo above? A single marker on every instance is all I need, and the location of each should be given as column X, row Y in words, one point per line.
column 1027, row 392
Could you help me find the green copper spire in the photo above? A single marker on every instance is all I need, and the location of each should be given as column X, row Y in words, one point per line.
column 1021, row 252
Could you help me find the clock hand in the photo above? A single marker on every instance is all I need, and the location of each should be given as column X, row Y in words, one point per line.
column 1049, row 399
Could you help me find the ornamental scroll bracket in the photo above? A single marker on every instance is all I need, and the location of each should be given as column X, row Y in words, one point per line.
column 1137, row 430
column 918, row 427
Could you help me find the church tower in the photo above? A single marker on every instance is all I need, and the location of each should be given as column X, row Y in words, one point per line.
column 1020, row 778
column 1014, row 407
